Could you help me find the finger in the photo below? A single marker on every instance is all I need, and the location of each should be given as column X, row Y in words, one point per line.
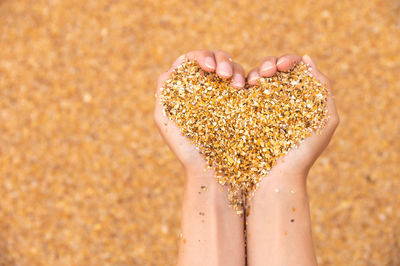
column 238, row 76
column 334, row 116
column 205, row 59
column 177, row 63
column 164, row 76
column 268, row 67
column 224, row 64
column 253, row 76
column 287, row 62
column 314, row 70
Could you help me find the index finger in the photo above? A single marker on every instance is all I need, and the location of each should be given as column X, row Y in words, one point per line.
column 164, row 76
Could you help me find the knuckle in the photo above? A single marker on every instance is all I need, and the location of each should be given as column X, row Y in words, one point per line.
column 223, row 53
column 196, row 54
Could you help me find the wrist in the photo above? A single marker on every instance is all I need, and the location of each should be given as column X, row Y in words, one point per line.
column 199, row 176
column 201, row 185
column 281, row 185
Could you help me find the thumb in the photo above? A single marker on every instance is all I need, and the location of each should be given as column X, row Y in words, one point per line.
column 314, row 70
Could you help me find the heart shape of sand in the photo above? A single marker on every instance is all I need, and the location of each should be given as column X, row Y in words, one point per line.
column 242, row 133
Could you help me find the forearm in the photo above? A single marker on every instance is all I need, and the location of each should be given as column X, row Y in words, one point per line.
column 212, row 233
column 279, row 224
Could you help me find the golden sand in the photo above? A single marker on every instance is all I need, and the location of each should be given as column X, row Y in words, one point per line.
column 85, row 178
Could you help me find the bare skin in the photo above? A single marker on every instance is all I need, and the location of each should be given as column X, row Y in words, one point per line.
column 279, row 227
column 212, row 233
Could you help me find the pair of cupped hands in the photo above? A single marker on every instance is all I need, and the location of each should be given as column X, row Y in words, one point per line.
column 298, row 161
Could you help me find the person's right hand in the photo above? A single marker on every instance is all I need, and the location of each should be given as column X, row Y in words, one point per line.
column 210, row 61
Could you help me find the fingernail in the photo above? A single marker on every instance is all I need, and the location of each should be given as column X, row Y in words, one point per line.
column 253, row 77
column 307, row 59
column 266, row 66
column 238, row 80
column 225, row 69
column 209, row 62
column 281, row 60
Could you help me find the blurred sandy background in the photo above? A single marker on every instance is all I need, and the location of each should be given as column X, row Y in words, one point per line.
column 85, row 179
